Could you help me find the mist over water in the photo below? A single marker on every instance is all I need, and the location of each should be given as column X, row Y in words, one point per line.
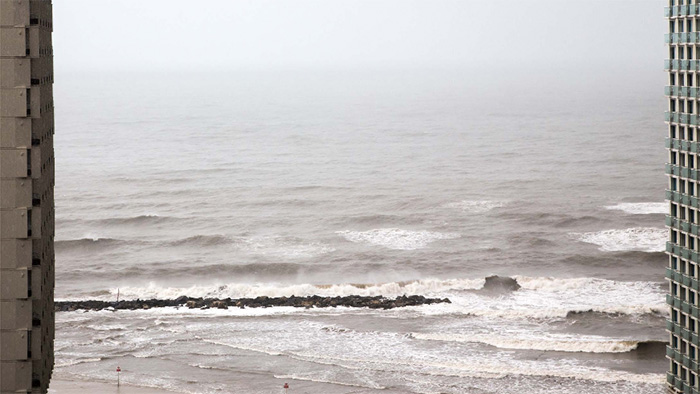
column 338, row 182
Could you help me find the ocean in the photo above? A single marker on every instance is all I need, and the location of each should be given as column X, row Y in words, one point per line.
column 342, row 182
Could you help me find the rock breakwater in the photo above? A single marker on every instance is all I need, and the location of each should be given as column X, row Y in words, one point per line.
column 376, row 302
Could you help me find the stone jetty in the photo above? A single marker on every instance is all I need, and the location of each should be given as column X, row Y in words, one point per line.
column 354, row 301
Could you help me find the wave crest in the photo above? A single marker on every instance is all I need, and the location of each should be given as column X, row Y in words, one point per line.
column 640, row 208
column 395, row 238
column 645, row 239
column 134, row 220
column 471, row 206
column 87, row 243
column 561, row 343
column 238, row 290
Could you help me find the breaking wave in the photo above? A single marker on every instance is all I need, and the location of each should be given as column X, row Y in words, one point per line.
column 562, row 343
column 237, row 290
column 321, row 379
column 645, row 239
column 516, row 298
column 92, row 244
column 202, row 240
column 395, row 238
column 135, row 220
column 640, row 208
column 277, row 246
column 470, row 206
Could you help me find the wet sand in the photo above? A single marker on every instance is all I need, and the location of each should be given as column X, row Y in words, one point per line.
column 80, row 387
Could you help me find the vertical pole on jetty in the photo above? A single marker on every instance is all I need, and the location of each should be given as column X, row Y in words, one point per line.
column 117, row 294
column 118, row 371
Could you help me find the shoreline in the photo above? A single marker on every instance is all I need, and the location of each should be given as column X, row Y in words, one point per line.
column 68, row 386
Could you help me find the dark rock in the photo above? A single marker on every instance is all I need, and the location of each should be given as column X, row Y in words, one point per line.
column 499, row 285
column 356, row 301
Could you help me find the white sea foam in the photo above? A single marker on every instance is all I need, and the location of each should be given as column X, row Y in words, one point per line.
column 547, row 298
column 397, row 353
column 538, row 298
column 471, row 206
column 284, row 248
column 320, row 377
column 645, row 239
column 363, row 352
column 240, row 290
column 640, row 208
column 67, row 363
column 395, row 238
column 546, row 342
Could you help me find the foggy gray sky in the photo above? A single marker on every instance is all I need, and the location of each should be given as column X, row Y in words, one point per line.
column 230, row 34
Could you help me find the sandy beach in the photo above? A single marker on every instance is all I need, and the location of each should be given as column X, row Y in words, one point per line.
column 76, row 387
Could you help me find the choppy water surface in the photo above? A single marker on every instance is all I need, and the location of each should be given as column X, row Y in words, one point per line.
column 362, row 183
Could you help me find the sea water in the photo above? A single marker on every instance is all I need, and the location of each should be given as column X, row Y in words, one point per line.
column 318, row 182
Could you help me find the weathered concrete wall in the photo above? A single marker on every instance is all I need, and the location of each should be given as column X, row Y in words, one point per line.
column 26, row 196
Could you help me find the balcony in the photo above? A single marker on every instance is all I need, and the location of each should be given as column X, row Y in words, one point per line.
column 682, row 38
column 682, row 225
column 682, row 145
column 681, row 358
column 682, row 171
column 687, row 281
column 676, row 64
column 682, row 199
column 680, row 385
column 680, row 10
column 681, row 252
column 675, row 117
column 682, row 91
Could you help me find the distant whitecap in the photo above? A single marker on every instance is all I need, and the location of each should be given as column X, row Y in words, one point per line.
column 640, row 208
column 396, row 238
column 470, row 206
column 644, row 239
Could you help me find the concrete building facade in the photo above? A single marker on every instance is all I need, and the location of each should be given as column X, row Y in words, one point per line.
column 26, row 196
column 683, row 221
